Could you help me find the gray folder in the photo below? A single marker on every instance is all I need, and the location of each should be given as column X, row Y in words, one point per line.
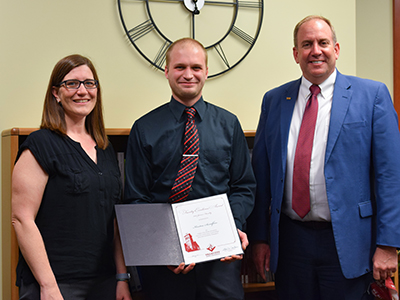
column 148, row 234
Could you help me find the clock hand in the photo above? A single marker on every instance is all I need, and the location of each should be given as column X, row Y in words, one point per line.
column 194, row 6
column 164, row 0
column 195, row 11
column 193, row 31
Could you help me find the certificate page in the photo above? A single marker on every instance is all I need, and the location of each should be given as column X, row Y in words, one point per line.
column 206, row 229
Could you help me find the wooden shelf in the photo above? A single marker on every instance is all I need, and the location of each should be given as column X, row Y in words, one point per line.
column 258, row 287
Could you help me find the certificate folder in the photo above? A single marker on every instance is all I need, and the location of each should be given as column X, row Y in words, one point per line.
column 169, row 234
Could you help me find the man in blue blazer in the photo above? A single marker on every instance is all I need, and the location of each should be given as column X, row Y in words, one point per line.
column 350, row 232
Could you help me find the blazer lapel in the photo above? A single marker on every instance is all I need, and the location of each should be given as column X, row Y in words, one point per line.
column 287, row 106
column 340, row 104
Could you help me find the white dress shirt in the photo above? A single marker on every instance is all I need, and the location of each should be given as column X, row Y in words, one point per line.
column 318, row 197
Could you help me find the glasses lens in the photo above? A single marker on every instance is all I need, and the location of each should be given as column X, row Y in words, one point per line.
column 72, row 84
column 90, row 84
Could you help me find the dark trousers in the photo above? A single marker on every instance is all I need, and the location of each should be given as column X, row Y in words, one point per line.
column 89, row 289
column 309, row 268
column 207, row 281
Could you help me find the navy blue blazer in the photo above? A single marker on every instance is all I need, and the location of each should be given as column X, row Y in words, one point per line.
column 362, row 170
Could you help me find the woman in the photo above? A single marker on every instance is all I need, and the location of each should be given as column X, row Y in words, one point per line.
column 64, row 187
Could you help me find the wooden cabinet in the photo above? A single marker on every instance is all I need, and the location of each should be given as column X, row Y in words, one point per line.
column 11, row 140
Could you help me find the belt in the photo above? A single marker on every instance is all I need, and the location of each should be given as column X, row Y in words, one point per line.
column 310, row 224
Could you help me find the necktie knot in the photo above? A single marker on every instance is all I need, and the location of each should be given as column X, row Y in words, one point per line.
column 315, row 90
column 190, row 111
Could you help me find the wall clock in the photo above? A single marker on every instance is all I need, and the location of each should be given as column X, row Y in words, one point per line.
column 228, row 29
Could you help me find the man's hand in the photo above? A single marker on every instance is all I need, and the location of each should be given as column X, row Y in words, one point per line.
column 261, row 255
column 181, row 268
column 385, row 262
column 245, row 243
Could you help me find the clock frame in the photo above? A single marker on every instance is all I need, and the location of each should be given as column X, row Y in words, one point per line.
column 228, row 29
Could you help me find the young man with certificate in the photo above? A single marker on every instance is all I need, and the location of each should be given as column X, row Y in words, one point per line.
column 188, row 149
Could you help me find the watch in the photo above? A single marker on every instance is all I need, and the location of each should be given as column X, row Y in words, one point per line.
column 228, row 29
column 123, row 277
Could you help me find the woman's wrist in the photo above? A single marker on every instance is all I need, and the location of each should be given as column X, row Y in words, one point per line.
column 123, row 277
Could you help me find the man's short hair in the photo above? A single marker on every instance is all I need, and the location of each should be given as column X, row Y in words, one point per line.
column 184, row 41
column 309, row 18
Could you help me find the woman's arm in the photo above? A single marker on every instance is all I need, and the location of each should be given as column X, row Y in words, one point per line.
column 28, row 183
column 123, row 292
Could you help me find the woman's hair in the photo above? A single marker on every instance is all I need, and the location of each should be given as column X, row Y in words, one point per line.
column 53, row 117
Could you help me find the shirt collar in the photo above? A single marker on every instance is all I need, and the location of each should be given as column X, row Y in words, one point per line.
column 178, row 108
column 326, row 86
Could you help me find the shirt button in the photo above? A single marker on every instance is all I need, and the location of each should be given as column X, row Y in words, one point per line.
column 100, row 173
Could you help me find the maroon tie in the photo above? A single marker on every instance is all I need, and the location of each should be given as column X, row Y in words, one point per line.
column 302, row 158
column 188, row 165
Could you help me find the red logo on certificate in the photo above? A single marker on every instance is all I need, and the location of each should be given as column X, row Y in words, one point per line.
column 211, row 248
column 190, row 244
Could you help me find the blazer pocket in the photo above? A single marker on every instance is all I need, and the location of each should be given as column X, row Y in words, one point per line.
column 365, row 209
column 354, row 124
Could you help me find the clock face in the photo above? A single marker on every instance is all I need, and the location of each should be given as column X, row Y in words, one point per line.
column 228, row 29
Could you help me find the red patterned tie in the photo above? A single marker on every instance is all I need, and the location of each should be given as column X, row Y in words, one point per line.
column 188, row 165
column 302, row 158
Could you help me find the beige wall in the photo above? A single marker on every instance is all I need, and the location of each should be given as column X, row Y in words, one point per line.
column 374, row 47
column 36, row 34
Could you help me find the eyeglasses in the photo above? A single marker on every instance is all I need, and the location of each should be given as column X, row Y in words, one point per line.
column 74, row 84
